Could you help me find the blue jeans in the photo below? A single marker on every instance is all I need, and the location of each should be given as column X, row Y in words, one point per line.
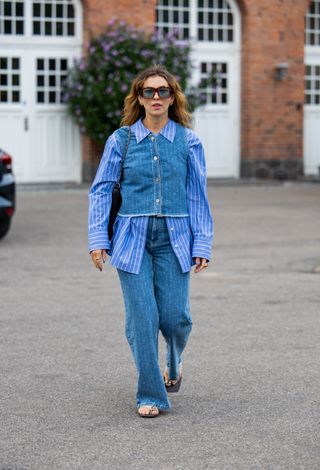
column 156, row 299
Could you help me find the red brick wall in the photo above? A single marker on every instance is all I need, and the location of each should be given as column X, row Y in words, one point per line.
column 272, row 111
column 97, row 13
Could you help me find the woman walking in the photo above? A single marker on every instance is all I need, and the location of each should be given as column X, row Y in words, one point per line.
column 163, row 228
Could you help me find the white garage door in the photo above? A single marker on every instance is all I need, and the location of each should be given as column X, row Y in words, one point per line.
column 214, row 27
column 312, row 91
column 38, row 42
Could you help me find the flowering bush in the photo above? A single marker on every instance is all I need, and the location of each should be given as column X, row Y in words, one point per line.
column 98, row 83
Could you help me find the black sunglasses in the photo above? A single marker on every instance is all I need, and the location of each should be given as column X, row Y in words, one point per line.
column 149, row 92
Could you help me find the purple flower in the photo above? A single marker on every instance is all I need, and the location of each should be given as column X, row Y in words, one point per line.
column 112, row 21
column 124, row 87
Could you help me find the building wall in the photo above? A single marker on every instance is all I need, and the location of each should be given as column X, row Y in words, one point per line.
column 271, row 110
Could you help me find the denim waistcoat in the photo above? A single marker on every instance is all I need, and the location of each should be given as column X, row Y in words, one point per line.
column 154, row 178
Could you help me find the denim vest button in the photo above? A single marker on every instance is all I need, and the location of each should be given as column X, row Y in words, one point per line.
column 155, row 158
column 157, row 201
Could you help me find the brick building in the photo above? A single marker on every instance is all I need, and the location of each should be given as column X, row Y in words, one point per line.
column 261, row 119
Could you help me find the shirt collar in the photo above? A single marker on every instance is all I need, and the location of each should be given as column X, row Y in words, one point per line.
column 140, row 131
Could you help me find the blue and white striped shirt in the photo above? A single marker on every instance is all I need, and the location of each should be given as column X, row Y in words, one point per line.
column 127, row 252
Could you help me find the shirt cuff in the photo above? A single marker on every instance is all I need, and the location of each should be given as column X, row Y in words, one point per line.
column 99, row 241
column 201, row 249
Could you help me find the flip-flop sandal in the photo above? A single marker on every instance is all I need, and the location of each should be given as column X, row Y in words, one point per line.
column 150, row 413
column 173, row 386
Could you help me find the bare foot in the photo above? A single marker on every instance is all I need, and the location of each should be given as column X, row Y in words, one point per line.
column 148, row 411
column 166, row 377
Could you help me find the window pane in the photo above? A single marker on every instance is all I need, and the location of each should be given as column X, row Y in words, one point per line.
column 52, row 64
column 3, row 79
column 48, row 10
column 19, row 9
column 52, row 97
column 59, row 29
column 40, row 80
column 16, row 80
column 3, row 96
column 36, row 10
column 70, row 29
column 7, row 27
column 19, row 27
column 3, row 63
column 7, row 9
column 59, row 11
column 63, row 64
column 48, row 28
column 15, row 96
column 40, row 97
column 70, row 11
column 52, row 80
column 40, row 64
column 36, row 27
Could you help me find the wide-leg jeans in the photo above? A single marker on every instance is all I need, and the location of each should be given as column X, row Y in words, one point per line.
column 156, row 299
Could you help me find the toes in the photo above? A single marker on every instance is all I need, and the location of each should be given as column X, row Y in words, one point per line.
column 148, row 410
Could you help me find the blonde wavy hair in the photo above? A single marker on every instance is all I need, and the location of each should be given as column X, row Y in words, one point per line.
column 133, row 111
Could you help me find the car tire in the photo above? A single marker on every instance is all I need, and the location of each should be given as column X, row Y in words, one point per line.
column 4, row 226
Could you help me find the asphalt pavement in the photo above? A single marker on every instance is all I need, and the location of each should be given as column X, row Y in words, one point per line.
column 250, row 397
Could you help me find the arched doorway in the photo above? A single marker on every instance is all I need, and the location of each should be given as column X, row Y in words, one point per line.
column 214, row 26
column 39, row 41
column 312, row 90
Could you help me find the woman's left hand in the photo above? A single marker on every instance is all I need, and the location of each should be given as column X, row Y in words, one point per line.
column 201, row 263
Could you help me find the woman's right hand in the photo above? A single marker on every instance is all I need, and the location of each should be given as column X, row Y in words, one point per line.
column 98, row 258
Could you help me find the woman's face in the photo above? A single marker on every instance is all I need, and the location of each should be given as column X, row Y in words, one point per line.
column 156, row 106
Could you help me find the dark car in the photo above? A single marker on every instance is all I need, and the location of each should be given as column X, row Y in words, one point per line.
column 7, row 192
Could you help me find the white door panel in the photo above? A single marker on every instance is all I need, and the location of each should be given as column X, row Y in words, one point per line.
column 56, row 147
column 35, row 127
column 311, row 147
column 311, row 137
column 218, row 122
column 13, row 140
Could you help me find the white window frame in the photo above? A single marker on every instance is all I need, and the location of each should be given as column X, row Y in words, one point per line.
column 41, row 39
column 193, row 26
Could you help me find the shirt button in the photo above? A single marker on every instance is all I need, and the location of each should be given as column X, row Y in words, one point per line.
column 157, row 201
column 157, row 180
column 171, row 228
column 152, row 138
column 176, row 246
column 155, row 158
